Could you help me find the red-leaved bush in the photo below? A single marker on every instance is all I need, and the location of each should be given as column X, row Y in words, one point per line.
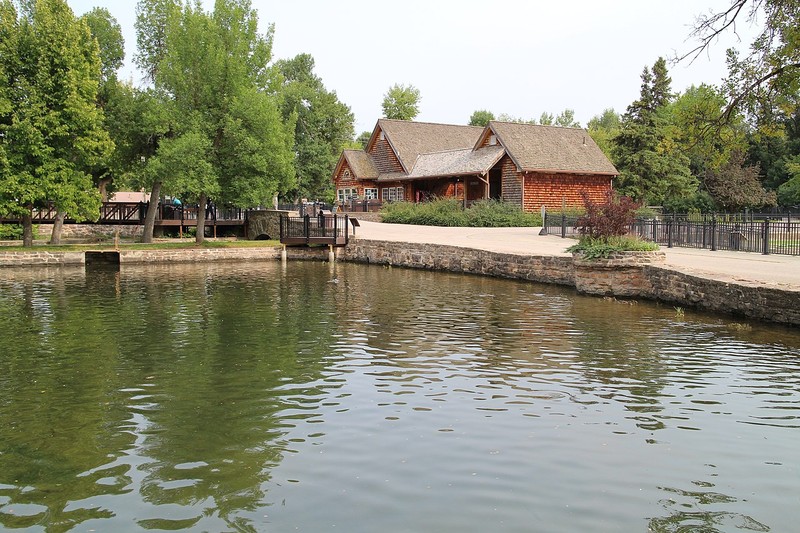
column 610, row 218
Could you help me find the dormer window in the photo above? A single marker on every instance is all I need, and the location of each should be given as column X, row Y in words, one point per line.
column 381, row 136
column 492, row 140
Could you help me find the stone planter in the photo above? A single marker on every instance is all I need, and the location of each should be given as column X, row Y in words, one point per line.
column 622, row 274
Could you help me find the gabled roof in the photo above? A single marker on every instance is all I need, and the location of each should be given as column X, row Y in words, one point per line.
column 457, row 162
column 410, row 139
column 536, row 148
column 361, row 164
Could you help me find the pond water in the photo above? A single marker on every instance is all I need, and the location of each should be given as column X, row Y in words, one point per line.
column 315, row 397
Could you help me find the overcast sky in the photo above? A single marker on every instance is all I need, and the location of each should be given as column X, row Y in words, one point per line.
column 508, row 56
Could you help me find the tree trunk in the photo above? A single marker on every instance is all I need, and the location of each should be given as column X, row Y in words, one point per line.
column 58, row 227
column 27, row 229
column 102, row 185
column 201, row 220
column 150, row 217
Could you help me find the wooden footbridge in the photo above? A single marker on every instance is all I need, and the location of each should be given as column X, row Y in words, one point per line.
column 327, row 228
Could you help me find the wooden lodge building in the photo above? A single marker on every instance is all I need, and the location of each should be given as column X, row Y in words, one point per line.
column 524, row 164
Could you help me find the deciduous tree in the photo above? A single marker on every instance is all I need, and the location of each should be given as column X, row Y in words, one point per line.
column 401, row 102
column 323, row 126
column 51, row 130
column 481, row 117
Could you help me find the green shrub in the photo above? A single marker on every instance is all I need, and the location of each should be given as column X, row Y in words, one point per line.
column 450, row 212
column 604, row 228
column 497, row 214
column 594, row 248
column 10, row 232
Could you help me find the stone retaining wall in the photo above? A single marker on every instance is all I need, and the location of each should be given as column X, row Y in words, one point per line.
column 629, row 275
column 92, row 232
column 546, row 269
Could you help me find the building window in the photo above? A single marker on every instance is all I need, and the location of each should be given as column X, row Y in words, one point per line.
column 370, row 194
column 346, row 194
column 392, row 194
column 346, row 173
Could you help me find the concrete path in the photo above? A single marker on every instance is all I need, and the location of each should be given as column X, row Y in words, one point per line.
column 780, row 271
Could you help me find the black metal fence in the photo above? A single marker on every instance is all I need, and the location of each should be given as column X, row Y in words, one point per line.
column 322, row 229
column 773, row 234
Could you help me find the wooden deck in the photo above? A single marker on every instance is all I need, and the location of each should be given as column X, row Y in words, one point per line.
column 133, row 214
column 330, row 229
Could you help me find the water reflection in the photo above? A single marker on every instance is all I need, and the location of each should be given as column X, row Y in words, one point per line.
column 244, row 397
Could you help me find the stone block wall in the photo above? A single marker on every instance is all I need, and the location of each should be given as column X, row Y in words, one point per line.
column 265, row 223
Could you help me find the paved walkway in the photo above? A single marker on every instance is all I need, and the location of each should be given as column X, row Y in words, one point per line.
column 780, row 271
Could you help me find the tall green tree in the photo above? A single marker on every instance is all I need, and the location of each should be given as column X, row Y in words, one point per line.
column 481, row 117
column 653, row 168
column 213, row 70
column 52, row 132
column 604, row 128
column 323, row 126
column 401, row 102
column 107, row 32
column 566, row 119
column 153, row 18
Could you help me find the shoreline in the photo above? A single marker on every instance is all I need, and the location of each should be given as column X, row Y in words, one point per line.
column 650, row 279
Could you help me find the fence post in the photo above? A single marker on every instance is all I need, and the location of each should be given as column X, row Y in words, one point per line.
column 669, row 230
column 765, row 237
column 307, row 227
column 563, row 225
column 544, row 220
column 714, row 232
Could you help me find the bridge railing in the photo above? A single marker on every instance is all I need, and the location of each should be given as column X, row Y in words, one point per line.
column 323, row 229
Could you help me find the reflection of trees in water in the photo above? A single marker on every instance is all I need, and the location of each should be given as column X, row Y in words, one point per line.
column 183, row 382
column 685, row 513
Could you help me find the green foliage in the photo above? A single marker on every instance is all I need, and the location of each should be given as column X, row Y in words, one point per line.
column 498, row 214
column 10, row 232
column 401, row 102
column 736, row 185
column 323, row 126
column 653, row 167
column 108, row 34
column 603, row 129
column 363, row 139
column 566, row 119
column 213, row 126
column 481, row 118
column 450, row 212
column 789, row 192
column 51, row 131
column 592, row 248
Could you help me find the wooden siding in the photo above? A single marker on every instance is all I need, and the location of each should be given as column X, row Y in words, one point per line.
column 551, row 189
column 341, row 181
column 512, row 181
column 385, row 159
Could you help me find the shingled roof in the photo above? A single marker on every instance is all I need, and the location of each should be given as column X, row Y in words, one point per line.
column 410, row 139
column 360, row 164
column 428, row 150
column 457, row 162
column 536, row 148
